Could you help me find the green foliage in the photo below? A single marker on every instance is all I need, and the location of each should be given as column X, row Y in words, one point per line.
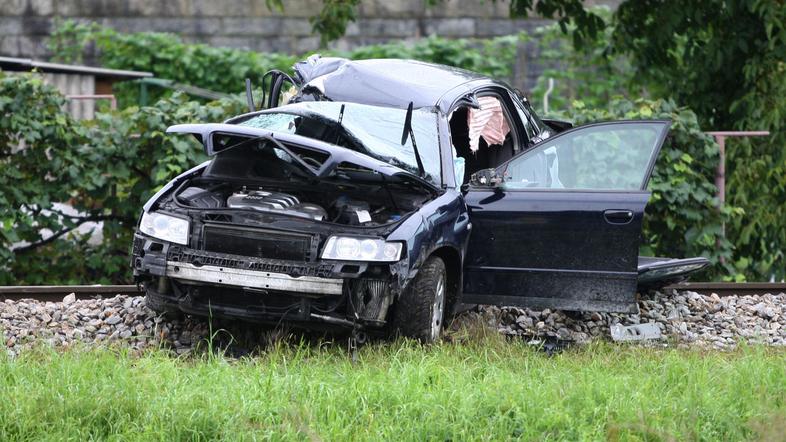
column 166, row 56
column 585, row 24
column 588, row 74
column 106, row 169
column 332, row 20
column 494, row 57
column 486, row 390
column 225, row 69
column 37, row 160
column 682, row 219
column 726, row 60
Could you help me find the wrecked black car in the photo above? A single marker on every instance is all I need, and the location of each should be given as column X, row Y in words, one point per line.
column 380, row 195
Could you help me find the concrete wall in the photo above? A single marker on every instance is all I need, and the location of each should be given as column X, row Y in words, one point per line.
column 25, row 24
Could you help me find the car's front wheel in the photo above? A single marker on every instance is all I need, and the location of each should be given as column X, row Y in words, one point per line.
column 160, row 305
column 420, row 310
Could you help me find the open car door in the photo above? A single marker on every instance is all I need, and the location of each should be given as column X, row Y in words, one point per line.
column 562, row 229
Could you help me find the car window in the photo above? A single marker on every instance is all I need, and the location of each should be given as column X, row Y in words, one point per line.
column 599, row 157
column 377, row 129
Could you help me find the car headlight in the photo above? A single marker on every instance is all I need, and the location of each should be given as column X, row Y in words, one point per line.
column 347, row 248
column 168, row 228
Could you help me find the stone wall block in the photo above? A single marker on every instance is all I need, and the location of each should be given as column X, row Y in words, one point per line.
column 257, row 26
column 221, row 8
column 10, row 26
column 206, row 25
column 302, row 8
column 451, row 27
column 32, row 25
column 32, row 46
column 275, row 44
column 67, row 8
column 306, row 45
column 157, row 8
column 353, row 29
column 39, row 7
column 233, row 42
column 468, row 8
column 9, row 45
column 498, row 27
column 13, row 7
column 388, row 27
column 393, row 8
column 296, row 27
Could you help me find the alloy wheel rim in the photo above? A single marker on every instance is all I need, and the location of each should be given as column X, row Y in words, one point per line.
column 438, row 308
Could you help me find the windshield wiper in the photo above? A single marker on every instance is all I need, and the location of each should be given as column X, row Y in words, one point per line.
column 409, row 133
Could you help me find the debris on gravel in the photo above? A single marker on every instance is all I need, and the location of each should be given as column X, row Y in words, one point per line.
column 684, row 318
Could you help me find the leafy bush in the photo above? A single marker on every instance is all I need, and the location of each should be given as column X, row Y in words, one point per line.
column 225, row 69
column 683, row 219
column 588, row 74
column 494, row 57
column 37, row 160
column 166, row 56
column 729, row 66
column 105, row 169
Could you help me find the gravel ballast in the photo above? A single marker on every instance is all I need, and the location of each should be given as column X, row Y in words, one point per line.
column 684, row 318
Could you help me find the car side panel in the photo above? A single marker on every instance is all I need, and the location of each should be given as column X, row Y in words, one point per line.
column 553, row 249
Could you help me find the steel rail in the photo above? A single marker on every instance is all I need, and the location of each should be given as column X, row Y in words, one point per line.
column 55, row 293
column 731, row 288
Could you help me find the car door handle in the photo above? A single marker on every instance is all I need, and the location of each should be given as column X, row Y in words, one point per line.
column 616, row 216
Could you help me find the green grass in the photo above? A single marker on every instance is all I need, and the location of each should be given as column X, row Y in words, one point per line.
column 481, row 389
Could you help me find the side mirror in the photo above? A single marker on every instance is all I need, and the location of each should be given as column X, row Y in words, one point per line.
column 485, row 178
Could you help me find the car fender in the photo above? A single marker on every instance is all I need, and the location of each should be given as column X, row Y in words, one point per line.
column 438, row 224
column 196, row 170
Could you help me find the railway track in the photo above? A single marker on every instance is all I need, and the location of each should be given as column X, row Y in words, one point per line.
column 731, row 288
column 57, row 292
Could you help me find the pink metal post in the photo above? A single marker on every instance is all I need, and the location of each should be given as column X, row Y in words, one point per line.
column 720, row 174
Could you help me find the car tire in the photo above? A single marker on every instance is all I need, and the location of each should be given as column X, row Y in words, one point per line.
column 420, row 310
column 160, row 305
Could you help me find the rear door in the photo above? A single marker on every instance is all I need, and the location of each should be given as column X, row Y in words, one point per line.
column 563, row 228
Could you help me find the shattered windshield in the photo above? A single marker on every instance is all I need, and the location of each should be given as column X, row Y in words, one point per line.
column 377, row 129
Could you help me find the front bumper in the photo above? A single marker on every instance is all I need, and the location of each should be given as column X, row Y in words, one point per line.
column 199, row 282
column 253, row 279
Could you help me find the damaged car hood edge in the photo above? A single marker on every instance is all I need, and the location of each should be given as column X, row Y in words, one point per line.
column 337, row 154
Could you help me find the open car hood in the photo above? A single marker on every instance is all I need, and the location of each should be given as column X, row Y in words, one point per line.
column 337, row 155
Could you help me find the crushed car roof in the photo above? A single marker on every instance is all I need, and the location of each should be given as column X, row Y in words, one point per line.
column 381, row 82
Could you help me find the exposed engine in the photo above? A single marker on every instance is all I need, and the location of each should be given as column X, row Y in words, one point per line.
column 276, row 202
column 349, row 205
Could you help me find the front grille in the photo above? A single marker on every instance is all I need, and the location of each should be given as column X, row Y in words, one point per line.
column 257, row 243
column 201, row 257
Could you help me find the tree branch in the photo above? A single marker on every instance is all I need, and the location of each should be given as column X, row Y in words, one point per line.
column 35, row 245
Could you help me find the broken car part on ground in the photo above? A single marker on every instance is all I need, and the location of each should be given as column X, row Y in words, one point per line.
column 384, row 194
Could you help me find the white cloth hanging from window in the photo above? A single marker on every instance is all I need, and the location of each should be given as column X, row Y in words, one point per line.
column 488, row 122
